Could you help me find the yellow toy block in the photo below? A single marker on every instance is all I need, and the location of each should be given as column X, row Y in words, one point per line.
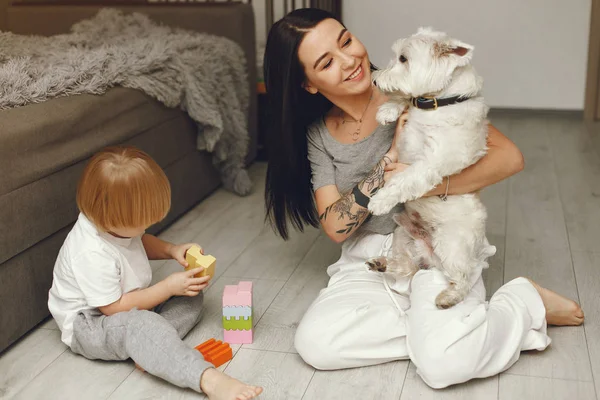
column 196, row 259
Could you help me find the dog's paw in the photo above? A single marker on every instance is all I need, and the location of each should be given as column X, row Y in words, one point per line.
column 407, row 191
column 448, row 298
column 387, row 113
column 378, row 264
column 381, row 204
column 406, row 197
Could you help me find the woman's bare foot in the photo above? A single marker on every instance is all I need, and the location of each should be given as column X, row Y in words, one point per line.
column 559, row 309
column 218, row 386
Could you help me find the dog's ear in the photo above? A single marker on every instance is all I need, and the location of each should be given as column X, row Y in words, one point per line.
column 461, row 52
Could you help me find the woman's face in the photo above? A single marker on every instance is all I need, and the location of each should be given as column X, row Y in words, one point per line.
column 336, row 63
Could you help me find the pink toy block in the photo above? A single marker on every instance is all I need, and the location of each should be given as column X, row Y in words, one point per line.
column 230, row 295
column 237, row 337
column 245, row 293
column 238, row 295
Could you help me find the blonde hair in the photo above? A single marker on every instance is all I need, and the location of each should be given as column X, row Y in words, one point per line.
column 123, row 187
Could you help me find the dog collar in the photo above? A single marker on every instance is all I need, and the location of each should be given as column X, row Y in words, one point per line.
column 432, row 103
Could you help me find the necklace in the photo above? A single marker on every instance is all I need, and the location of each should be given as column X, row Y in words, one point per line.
column 356, row 134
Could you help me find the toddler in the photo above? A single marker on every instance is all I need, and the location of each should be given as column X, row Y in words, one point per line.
column 101, row 296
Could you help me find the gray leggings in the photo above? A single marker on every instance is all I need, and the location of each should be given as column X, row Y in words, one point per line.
column 150, row 338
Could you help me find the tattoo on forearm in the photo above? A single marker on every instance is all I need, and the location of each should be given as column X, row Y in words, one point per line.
column 372, row 183
column 355, row 221
column 343, row 207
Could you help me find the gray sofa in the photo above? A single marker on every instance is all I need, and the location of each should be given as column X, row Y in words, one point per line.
column 44, row 147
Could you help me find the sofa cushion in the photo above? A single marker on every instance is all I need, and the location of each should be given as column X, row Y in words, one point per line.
column 44, row 146
column 40, row 139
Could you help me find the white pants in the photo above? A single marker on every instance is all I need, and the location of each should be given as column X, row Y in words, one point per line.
column 354, row 322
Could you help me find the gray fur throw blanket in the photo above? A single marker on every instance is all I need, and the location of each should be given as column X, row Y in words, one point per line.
column 204, row 75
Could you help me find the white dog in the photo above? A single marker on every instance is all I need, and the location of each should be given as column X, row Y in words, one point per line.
column 445, row 133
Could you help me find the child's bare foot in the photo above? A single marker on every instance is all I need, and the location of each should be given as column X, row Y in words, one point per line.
column 218, row 386
column 559, row 309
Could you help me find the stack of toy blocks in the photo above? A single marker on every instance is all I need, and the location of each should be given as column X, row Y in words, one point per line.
column 237, row 313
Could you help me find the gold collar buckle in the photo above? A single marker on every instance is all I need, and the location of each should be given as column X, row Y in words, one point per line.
column 435, row 103
column 415, row 102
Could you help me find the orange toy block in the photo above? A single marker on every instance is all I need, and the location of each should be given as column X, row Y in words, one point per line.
column 215, row 352
column 196, row 259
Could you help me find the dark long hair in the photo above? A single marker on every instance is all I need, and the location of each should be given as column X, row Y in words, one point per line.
column 288, row 191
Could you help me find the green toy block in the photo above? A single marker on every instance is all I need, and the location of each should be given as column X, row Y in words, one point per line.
column 239, row 324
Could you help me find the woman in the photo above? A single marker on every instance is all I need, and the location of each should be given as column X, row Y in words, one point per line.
column 327, row 156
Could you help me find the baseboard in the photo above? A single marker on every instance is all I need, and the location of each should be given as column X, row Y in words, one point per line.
column 502, row 111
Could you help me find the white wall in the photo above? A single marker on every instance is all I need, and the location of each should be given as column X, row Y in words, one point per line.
column 531, row 53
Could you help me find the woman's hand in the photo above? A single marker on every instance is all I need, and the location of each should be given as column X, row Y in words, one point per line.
column 184, row 283
column 392, row 169
column 177, row 252
column 393, row 152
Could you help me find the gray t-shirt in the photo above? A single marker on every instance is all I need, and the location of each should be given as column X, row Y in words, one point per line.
column 344, row 165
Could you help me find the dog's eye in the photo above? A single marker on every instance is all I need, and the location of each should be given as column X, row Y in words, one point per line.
column 403, row 59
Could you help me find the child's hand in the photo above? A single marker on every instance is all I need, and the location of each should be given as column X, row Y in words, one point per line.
column 184, row 283
column 178, row 252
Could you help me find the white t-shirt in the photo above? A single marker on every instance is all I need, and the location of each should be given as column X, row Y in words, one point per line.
column 94, row 269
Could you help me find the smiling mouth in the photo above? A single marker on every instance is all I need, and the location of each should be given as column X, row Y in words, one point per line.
column 355, row 74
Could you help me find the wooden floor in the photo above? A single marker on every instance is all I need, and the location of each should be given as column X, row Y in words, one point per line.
column 545, row 223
